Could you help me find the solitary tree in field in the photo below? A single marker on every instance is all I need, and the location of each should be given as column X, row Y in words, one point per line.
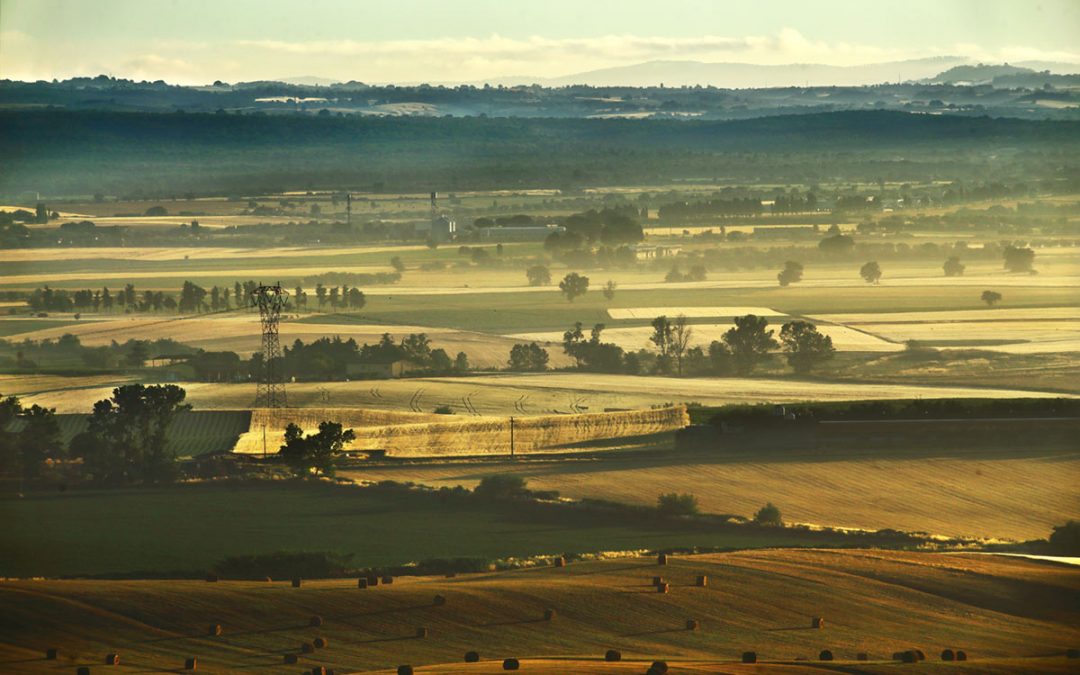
column 1019, row 259
column 609, row 290
column 397, row 264
column 871, row 272
column 806, row 347
column 316, row 452
column 791, row 273
column 573, row 285
column 538, row 275
column 749, row 342
column 991, row 298
column 953, row 267
column 769, row 515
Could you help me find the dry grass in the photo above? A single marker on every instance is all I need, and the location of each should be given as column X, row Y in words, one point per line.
column 877, row 602
column 688, row 312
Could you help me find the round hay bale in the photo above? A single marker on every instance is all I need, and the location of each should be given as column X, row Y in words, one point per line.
column 612, row 655
column 191, row 663
column 214, row 629
column 439, row 600
column 662, row 559
column 296, row 582
column 702, row 581
column 662, row 588
column 817, row 622
column 291, row 658
column 372, row 580
column 112, row 659
column 404, row 670
column 472, row 657
column 909, row 656
column 692, row 624
column 211, row 578
column 421, row 632
column 315, row 621
column 749, row 657
column 388, row 579
column 560, row 562
column 961, row 655
column 52, row 653
column 948, row 655
column 307, row 648
column 320, row 643
column 862, row 656
column 825, row 655
column 511, row 664
column 658, row 667
column 1072, row 653
column 361, row 582
column 549, row 614
column 656, row 581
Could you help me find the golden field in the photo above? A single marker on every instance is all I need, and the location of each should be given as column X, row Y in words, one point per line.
column 1010, row 615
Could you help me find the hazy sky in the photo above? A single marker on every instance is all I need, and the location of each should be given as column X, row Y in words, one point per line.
column 199, row 41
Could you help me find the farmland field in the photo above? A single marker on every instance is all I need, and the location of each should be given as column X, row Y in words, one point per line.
column 956, row 491
column 508, row 394
column 1008, row 614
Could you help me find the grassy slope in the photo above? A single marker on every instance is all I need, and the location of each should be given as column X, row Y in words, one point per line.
column 189, row 528
column 874, row 602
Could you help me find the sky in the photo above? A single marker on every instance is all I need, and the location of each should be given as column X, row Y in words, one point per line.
column 409, row 41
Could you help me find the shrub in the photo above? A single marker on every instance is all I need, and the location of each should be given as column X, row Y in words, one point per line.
column 769, row 515
column 674, row 504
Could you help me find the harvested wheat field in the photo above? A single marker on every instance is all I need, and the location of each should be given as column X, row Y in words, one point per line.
column 1016, row 494
column 506, row 394
column 1007, row 614
column 425, row 435
column 637, row 337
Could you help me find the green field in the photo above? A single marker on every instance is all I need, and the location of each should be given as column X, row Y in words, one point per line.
column 188, row 528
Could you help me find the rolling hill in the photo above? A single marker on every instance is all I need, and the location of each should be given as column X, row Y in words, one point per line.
column 1007, row 614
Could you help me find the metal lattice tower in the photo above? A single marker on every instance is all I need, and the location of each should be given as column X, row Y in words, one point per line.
column 271, row 381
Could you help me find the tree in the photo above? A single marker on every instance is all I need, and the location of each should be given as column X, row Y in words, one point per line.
column 397, row 264
column 609, row 290
column 674, row 504
column 991, row 298
column 538, row 275
column 806, row 347
column 791, row 273
column 501, row 486
column 720, row 359
column 836, row 245
column 25, row 451
column 574, row 285
column 316, row 452
column 129, row 434
column 1065, row 539
column 192, row 298
column 528, row 358
column 1019, row 259
column 461, row 362
column 870, row 272
column 769, row 515
column 749, row 342
column 953, row 267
